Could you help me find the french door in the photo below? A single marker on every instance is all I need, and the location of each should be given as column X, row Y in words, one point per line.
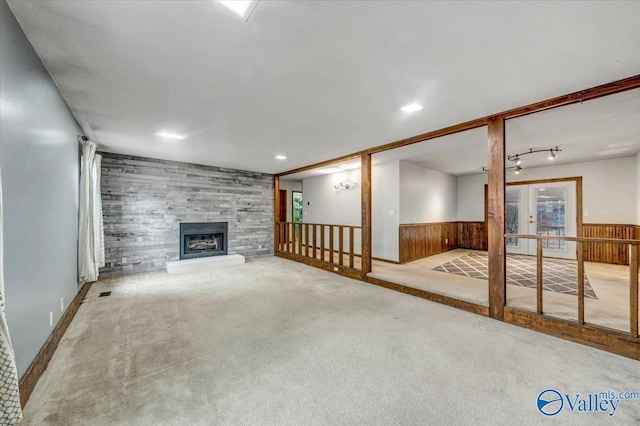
column 542, row 209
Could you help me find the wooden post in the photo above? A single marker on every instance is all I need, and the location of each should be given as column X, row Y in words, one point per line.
column 365, row 199
column 306, row 239
column 351, row 241
column 580, row 282
column 276, row 212
column 314, row 240
column 300, row 228
column 340, row 245
column 496, row 218
column 292, row 237
column 321, row 242
column 633, row 289
column 331, row 243
column 539, row 276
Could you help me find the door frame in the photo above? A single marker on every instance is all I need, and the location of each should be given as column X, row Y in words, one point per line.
column 578, row 181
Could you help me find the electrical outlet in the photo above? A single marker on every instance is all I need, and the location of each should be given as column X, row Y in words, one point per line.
column 62, row 304
column 50, row 319
column 446, row 241
column 392, row 212
column 124, row 260
column 335, row 269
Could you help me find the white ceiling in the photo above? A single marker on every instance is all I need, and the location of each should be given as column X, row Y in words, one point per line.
column 599, row 129
column 314, row 80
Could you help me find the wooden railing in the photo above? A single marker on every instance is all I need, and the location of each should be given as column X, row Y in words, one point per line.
column 321, row 241
column 580, row 241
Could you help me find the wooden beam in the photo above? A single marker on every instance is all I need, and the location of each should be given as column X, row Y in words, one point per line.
column 467, row 125
column 612, row 88
column 342, row 270
column 438, row 298
column 580, row 282
column 365, row 188
column 321, row 164
column 496, row 219
column 575, row 97
column 276, row 212
column 633, row 289
column 539, row 276
column 599, row 337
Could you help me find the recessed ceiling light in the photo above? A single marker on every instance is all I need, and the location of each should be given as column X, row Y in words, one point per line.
column 281, row 157
column 170, row 135
column 241, row 7
column 411, row 108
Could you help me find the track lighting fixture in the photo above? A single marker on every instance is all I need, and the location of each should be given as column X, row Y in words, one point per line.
column 517, row 158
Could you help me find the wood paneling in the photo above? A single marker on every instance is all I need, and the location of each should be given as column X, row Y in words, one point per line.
column 472, row 235
column 32, row 375
column 496, row 218
column 420, row 240
column 607, row 253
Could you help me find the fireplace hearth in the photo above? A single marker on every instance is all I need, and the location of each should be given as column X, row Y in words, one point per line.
column 203, row 239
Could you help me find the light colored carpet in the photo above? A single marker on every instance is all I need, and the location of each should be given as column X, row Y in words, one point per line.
column 280, row 343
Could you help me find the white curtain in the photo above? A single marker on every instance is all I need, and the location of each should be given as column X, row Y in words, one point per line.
column 91, row 233
column 10, row 411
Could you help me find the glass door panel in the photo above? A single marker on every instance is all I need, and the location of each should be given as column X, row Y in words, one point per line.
column 554, row 214
column 541, row 209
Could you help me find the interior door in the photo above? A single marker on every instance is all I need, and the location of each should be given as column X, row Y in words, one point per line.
column 542, row 209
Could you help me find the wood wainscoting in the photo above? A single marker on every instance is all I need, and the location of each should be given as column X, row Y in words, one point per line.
column 608, row 253
column 472, row 235
column 420, row 240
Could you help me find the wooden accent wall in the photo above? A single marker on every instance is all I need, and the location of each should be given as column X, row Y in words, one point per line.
column 472, row 235
column 608, row 253
column 419, row 240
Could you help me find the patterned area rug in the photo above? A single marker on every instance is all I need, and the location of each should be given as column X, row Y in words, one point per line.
column 521, row 270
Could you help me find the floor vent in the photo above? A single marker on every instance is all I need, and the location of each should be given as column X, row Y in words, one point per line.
column 105, row 294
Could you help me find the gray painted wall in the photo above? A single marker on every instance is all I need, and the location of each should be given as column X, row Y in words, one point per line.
column 144, row 201
column 40, row 172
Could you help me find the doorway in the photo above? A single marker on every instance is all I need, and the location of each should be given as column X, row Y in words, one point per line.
column 296, row 211
column 542, row 208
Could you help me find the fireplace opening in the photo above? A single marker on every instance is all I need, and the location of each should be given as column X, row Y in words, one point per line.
column 203, row 239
